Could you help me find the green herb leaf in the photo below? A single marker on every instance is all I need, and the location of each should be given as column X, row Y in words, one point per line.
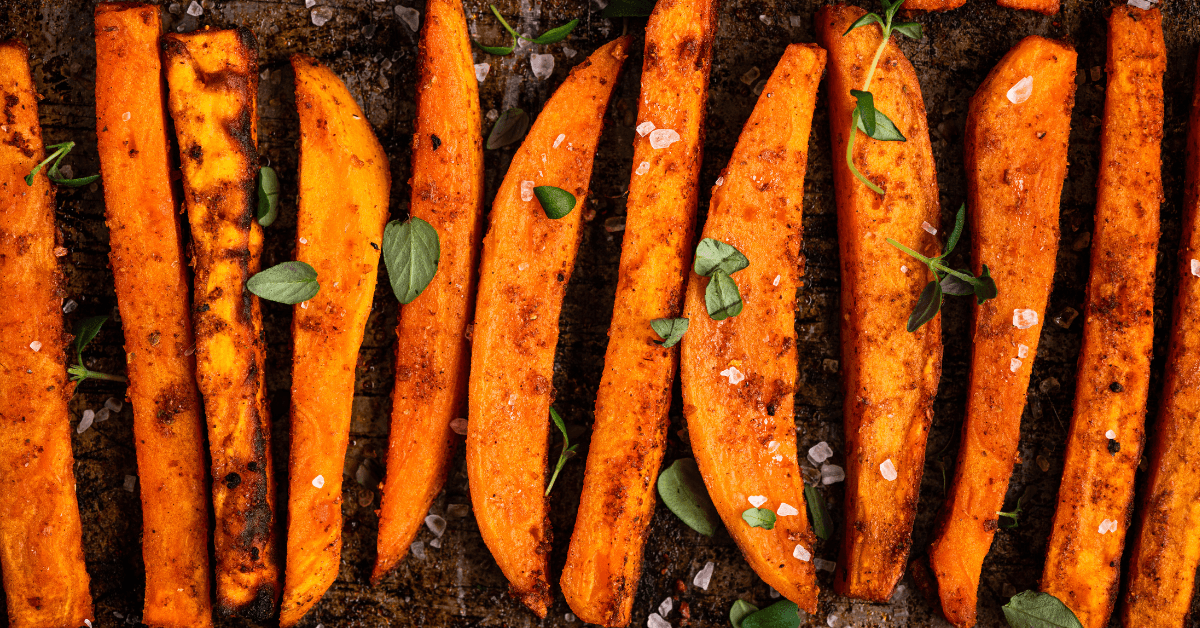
column 503, row 23
column 568, row 450
column 821, row 523
column 927, row 306
column 671, row 330
column 885, row 129
column 556, row 202
column 496, row 50
column 782, row 614
column 986, row 289
column 1015, row 516
column 628, row 8
column 411, row 252
column 759, row 518
column 960, row 220
column 681, row 488
column 912, row 30
column 1031, row 609
column 891, row 8
column 721, row 297
column 511, row 126
column 268, row 196
column 956, row 287
column 289, row 282
column 85, row 332
column 866, row 111
column 863, row 21
column 712, row 255
column 739, row 611
column 557, row 34
column 54, row 174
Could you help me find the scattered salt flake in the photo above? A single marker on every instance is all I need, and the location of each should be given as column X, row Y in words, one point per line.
column 776, row 281
column 410, row 16
column 824, row 565
column 832, row 474
column 559, row 140
column 733, row 374
column 320, row 15
column 1014, row 365
column 1066, row 317
column 786, row 510
column 88, row 622
column 459, row 426
column 1196, row 267
column 888, row 470
column 772, row 446
column 308, row 4
column 751, row 75
column 930, row 229
column 662, row 138
column 643, row 168
column 1020, row 92
column 481, row 71
column 130, row 483
column 796, row 21
column 757, row 500
column 644, row 128
column 303, row 240
column 1022, row 350
column 831, row 621
column 569, row 617
column 570, row 54
column 458, row 511
column 36, row 346
column 436, row 544
column 1108, row 525
column 436, row 525
column 1110, row 435
column 656, row 621
column 418, row 550
column 1024, row 318
column 126, row 116
column 704, row 576
column 195, row 10
column 319, row 481
column 720, row 181
column 614, row 224
column 777, row 457
column 69, row 306
column 766, row 19
column 820, row 452
column 802, row 553
column 542, row 65
column 1144, row 5
column 904, row 269
column 103, row 415
column 114, row 404
column 523, row 266
column 527, row 191
column 85, row 422
column 666, row 606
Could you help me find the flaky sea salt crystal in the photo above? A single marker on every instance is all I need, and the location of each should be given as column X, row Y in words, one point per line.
column 481, row 71
column 644, row 128
column 36, row 346
column 542, row 65
column 665, row 607
column 418, row 550
column 410, row 16
column 656, row 621
column 436, row 543
column 1110, row 435
column 824, row 565
column 126, row 116
column 86, row 421
column 796, row 21
column 888, row 470
column 1022, row 351
column 1014, row 365
column 1108, row 525
column 720, row 181
column 802, row 553
column 772, row 446
column 930, row 229
column 1020, row 92
column 820, row 452
column 1024, row 318
column 772, row 592
column 1144, row 5
column 570, row 54
column 559, row 140
column 102, row 415
column 194, row 9
column 786, row 510
column 436, row 525
column 832, row 474
column 458, row 511
column 775, row 282
column 569, row 617
column 320, row 15
column 662, row 138
column 459, row 426
column 527, row 191
column 757, row 500
column 704, row 576
column 735, row 376
column 319, row 481
column 70, row 305
column 643, row 168
column 831, row 621
column 1196, row 267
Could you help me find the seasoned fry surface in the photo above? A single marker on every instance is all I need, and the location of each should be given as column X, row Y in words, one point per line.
column 1084, row 554
column 890, row 376
column 933, row 5
column 432, row 351
column 152, row 290
column 604, row 562
column 739, row 374
column 1048, row 7
column 526, row 263
column 213, row 79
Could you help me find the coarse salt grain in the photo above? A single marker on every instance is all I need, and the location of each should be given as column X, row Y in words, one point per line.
column 527, row 191
column 1022, row 351
column 1110, row 435
column 1108, row 525
column 802, row 553
column 1020, row 92
column 36, row 346
column 772, row 592
column 481, row 71
column 645, row 128
column 69, row 306
column 126, row 116
column 459, row 426
column 570, row 617
column 436, row 543
column 523, row 266
column 436, row 525
column 832, row 474
column 559, row 140
column 114, row 405
column 820, row 452
column 720, row 181
column 570, row 53
column 930, row 229
column 735, row 376
column 825, row 565
column 458, row 511
column 656, row 621
column 1144, row 5
column 319, row 481
column 194, row 9
column 1196, row 267
column 888, row 470
column 777, row 457
column 772, row 446
column 757, row 500
column 662, row 138
column 103, row 415
column 410, row 16
column 665, row 608
column 704, row 576
column 1014, row 365
column 320, row 15
column 786, row 510
column 831, row 620
column 643, row 168
column 85, row 422
column 418, row 550
column 1024, row 318
column 542, row 65
column 776, row 281
column 130, row 483
column 904, row 269
column 88, row 622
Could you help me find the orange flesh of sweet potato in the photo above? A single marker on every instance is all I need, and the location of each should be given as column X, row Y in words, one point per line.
column 1016, row 160
column 432, row 350
column 933, row 5
column 526, row 263
column 213, row 79
column 152, row 289
column 41, row 549
column 1048, row 7
column 1166, row 549
column 739, row 374
column 890, row 375
column 1083, row 561
column 344, row 184
column 604, row 562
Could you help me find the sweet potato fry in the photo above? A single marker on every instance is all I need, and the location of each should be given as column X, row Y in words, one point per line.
column 604, row 563
column 933, row 5
column 41, row 548
column 739, row 374
column 1016, row 160
column 890, row 375
column 432, row 351
column 213, row 79
column 1166, row 549
column 344, row 183
column 1048, row 7
column 152, row 289
column 1095, row 499
column 526, row 263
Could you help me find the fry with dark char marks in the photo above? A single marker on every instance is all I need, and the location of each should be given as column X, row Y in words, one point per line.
column 41, row 548
column 739, row 374
column 152, row 290
column 344, row 184
column 526, row 263
column 890, row 375
column 213, row 79
column 604, row 563
column 1095, row 499
column 1016, row 160
column 432, row 351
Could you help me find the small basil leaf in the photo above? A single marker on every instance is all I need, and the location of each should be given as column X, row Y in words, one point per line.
column 985, row 289
column 714, row 255
column 411, row 251
column 499, row 51
column 960, row 220
column 671, row 330
column 885, row 129
column 863, row 21
column 956, row 287
column 85, row 331
column 628, row 8
column 782, row 614
column 821, row 523
column 721, row 297
column 866, row 111
column 1031, row 609
column 681, row 488
column 556, row 202
column 739, row 611
column 912, row 30
column 556, row 35
column 268, row 196
column 927, row 306
column 512, row 125
column 759, row 518
column 289, row 282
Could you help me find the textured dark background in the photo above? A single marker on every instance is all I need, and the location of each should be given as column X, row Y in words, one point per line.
column 375, row 53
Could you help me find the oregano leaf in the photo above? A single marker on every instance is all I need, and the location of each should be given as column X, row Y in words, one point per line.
column 912, row 30
column 885, row 129
column 759, row 518
column 721, row 297
column 268, row 196
column 928, row 305
column 681, row 488
column 671, row 330
column 956, row 287
column 712, row 255
column 411, row 251
column 1033, row 609
column 556, row 202
column 985, row 289
column 739, row 611
column 782, row 614
column 289, row 282
column 863, row 21
column 556, row 34
column 511, row 126
column 866, row 111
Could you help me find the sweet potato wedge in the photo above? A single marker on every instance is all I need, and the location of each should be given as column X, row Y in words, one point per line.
column 1016, row 160
column 432, row 350
column 933, row 5
column 604, row 563
column 213, row 79
column 152, row 289
column 1095, row 499
column 41, row 548
column 890, row 375
column 1048, row 7
column 526, row 263
column 344, row 183
column 1166, row 549
column 739, row 374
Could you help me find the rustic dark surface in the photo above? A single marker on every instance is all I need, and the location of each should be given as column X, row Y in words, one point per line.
column 367, row 44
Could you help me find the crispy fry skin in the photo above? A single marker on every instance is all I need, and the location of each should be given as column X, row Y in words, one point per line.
column 891, row 375
column 526, row 263
column 41, row 549
column 933, row 5
column 1082, row 565
column 433, row 353
column 604, row 564
column 1166, row 550
column 1048, row 7
column 152, row 290
column 344, row 183
column 213, row 76
column 743, row 434
column 1016, row 160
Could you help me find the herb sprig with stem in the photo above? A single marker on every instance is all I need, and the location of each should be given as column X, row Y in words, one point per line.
column 551, row 36
column 85, row 331
column 568, row 450
column 59, row 151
